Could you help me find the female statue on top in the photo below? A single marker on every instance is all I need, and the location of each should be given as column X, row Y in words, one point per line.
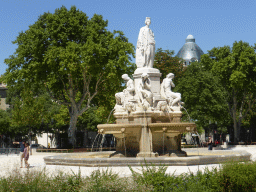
column 145, row 51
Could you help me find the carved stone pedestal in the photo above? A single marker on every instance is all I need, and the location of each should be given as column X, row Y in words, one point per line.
column 147, row 134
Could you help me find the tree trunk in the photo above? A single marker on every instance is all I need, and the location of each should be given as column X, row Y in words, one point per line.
column 236, row 131
column 72, row 129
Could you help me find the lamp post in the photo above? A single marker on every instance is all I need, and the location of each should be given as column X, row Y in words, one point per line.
column 248, row 135
column 47, row 133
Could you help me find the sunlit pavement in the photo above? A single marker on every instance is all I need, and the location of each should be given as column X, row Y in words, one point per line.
column 11, row 164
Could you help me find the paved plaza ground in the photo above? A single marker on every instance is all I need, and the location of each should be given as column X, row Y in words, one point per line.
column 11, row 164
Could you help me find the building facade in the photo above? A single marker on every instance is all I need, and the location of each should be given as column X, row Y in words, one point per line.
column 3, row 95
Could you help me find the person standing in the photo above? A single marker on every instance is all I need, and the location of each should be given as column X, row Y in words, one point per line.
column 21, row 151
column 210, row 144
column 26, row 155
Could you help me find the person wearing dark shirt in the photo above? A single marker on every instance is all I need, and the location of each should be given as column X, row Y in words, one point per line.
column 210, row 144
column 22, row 143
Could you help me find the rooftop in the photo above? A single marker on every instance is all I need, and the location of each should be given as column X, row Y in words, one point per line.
column 190, row 51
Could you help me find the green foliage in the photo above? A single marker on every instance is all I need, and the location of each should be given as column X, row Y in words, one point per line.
column 236, row 70
column 153, row 176
column 29, row 110
column 103, row 181
column 203, row 96
column 89, row 120
column 228, row 177
column 62, row 117
column 239, row 177
column 166, row 63
column 75, row 58
column 5, row 122
column 221, row 88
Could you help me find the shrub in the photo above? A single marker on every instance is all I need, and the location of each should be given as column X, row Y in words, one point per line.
column 238, row 176
column 230, row 177
column 155, row 177
column 108, row 181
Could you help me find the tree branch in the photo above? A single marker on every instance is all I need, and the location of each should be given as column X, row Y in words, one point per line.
column 86, row 87
column 99, row 81
column 65, row 102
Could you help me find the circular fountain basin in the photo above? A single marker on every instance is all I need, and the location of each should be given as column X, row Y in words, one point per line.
column 101, row 159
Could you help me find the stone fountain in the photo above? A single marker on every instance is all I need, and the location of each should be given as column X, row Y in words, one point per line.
column 148, row 122
column 148, row 113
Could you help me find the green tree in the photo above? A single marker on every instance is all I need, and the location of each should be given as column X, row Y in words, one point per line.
column 166, row 63
column 5, row 122
column 236, row 70
column 74, row 57
column 203, row 96
column 89, row 120
column 28, row 112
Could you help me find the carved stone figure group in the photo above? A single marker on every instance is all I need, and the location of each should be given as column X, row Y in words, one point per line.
column 143, row 96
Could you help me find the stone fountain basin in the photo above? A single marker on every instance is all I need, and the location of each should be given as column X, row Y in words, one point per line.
column 101, row 159
column 130, row 128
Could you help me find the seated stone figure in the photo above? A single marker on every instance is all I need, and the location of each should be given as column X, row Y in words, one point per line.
column 173, row 98
column 127, row 93
column 144, row 93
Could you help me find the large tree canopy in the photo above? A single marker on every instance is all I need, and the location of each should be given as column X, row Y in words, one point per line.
column 203, row 96
column 236, row 70
column 73, row 57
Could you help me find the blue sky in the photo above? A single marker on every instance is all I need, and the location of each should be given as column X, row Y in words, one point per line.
column 214, row 23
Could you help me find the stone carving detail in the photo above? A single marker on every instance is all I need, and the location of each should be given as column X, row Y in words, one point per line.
column 130, row 107
column 145, row 51
column 162, row 106
column 128, row 93
column 173, row 98
column 144, row 93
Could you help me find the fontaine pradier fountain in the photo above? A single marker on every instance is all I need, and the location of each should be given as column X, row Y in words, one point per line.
column 148, row 114
column 148, row 124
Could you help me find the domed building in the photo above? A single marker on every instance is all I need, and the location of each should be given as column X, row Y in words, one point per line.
column 190, row 52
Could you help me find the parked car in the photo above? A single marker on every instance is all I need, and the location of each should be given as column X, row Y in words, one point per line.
column 37, row 146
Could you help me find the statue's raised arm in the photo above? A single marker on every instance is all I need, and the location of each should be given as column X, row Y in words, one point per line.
column 145, row 51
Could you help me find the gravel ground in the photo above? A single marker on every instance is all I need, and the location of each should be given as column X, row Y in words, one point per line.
column 11, row 163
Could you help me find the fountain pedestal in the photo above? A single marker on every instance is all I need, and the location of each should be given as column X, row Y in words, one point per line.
column 148, row 134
